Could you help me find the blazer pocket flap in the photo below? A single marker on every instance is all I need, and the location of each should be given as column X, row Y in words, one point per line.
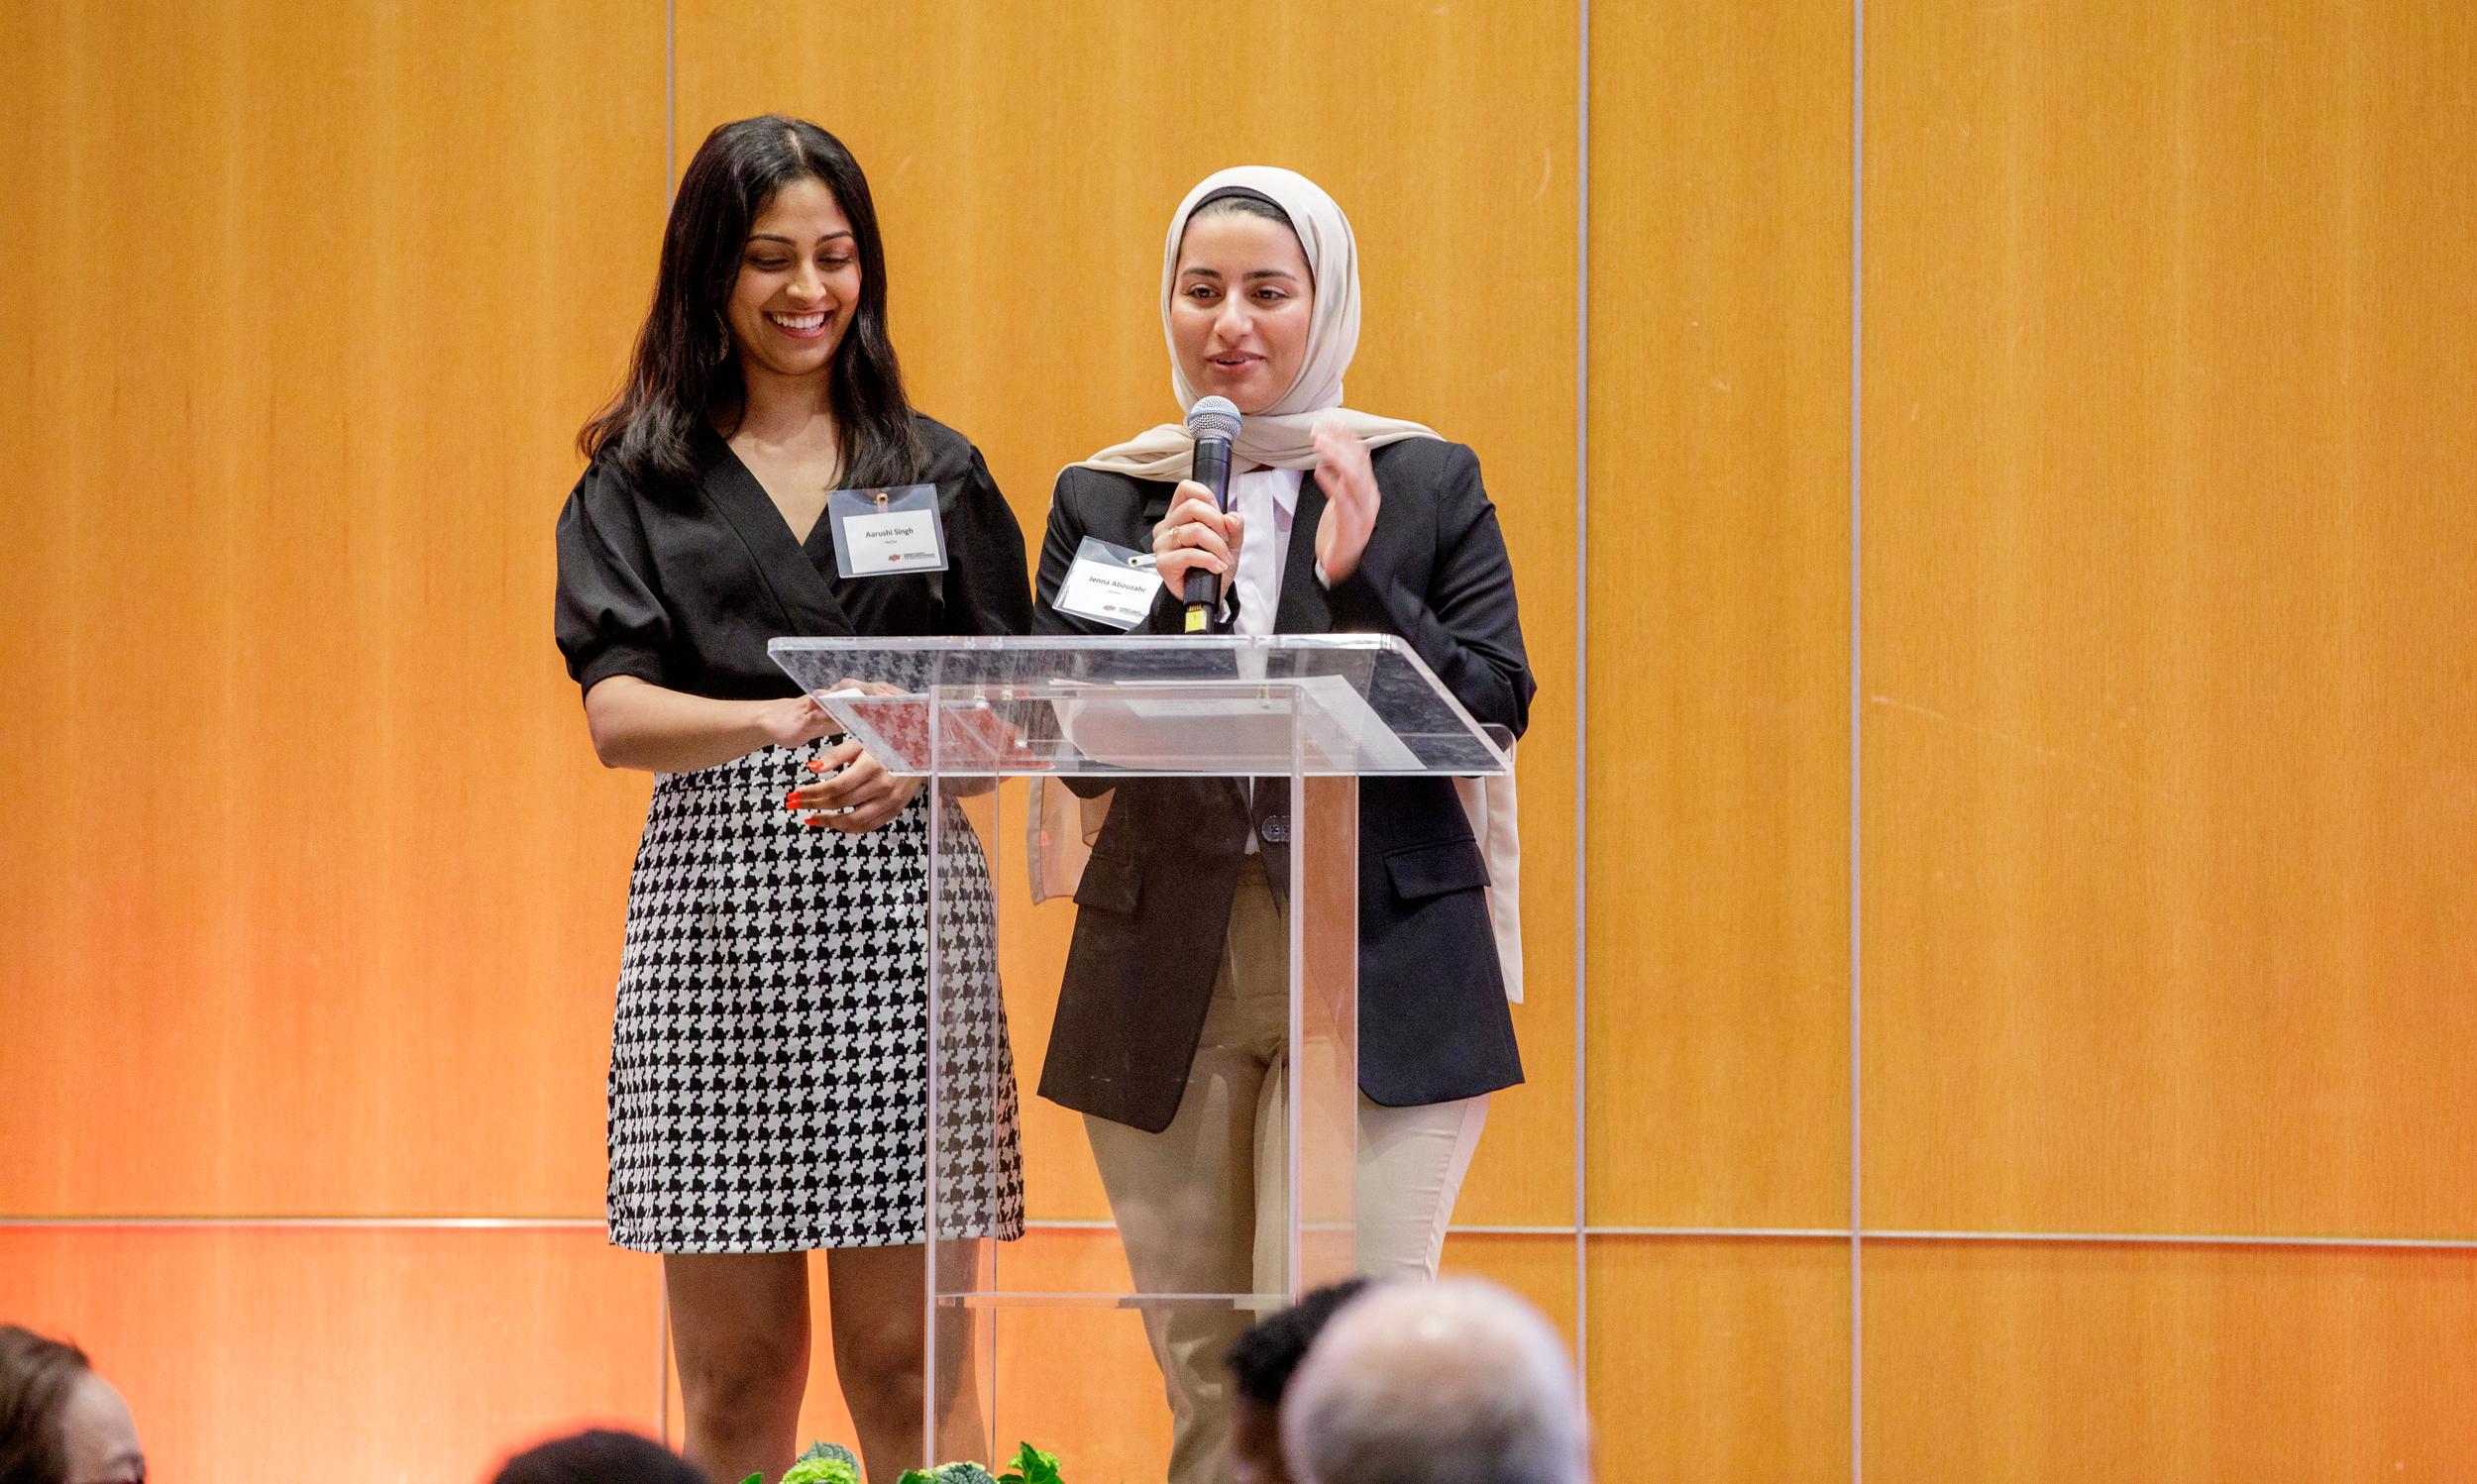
column 1111, row 883
column 1433, row 870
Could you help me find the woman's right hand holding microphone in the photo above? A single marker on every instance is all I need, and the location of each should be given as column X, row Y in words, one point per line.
column 1195, row 535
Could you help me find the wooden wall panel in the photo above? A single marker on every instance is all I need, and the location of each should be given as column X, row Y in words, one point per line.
column 2171, row 770
column 291, row 1355
column 1539, row 1268
column 309, row 892
column 1723, row 1359
column 2016, row 1363
column 1718, row 798
column 1026, row 159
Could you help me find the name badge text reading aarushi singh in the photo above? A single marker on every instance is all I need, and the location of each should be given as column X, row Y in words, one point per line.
column 881, row 532
column 1108, row 584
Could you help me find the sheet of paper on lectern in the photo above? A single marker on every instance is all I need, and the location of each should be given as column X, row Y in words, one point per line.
column 1185, row 732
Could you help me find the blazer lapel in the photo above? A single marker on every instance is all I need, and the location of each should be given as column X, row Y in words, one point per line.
column 1303, row 609
column 1157, row 508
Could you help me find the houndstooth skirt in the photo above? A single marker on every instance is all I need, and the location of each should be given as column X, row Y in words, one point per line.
column 769, row 1059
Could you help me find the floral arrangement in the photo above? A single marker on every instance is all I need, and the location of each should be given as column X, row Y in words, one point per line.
column 833, row 1463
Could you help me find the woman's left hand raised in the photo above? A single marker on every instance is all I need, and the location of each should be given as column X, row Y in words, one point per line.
column 1350, row 500
column 864, row 791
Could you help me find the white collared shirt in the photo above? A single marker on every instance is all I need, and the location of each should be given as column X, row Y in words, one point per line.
column 1266, row 499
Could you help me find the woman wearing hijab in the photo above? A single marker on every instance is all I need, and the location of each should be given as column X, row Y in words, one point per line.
column 768, row 1054
column 1171, row 1021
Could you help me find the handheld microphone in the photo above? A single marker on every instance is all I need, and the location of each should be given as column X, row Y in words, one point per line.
column 1213, row 422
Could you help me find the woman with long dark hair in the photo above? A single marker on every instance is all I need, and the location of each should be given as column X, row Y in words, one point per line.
column 768, row 1057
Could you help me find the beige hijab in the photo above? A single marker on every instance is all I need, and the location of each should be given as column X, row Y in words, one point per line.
column 1282, row 436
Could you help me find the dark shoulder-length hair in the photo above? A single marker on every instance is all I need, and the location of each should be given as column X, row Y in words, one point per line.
column 36, row 1375
column 685, row 375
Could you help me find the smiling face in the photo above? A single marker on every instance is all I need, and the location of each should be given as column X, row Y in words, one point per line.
column 1239, row 307
column 798, row 283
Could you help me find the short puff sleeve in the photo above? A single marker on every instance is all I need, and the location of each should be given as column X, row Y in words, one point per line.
column 609, row 619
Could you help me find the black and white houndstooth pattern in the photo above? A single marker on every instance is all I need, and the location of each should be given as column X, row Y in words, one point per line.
column 768, row 1087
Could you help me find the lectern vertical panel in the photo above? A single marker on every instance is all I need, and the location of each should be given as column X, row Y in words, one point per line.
column 1205, row 1027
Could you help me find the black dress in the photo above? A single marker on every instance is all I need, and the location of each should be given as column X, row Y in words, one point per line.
column 768, row 1067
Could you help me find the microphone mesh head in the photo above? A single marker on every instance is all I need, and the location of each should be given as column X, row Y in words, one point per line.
column 1213, row 417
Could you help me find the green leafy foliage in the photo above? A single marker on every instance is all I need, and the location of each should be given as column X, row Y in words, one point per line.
column 812, row 1470
column 1030, row 1465
column 961, row 1471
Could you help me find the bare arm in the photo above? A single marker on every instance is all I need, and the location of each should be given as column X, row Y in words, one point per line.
column 638, row 724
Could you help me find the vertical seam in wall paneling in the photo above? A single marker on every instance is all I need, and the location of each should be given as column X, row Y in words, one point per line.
column 1857, row 340
column 1582, row 670
column 670, row 99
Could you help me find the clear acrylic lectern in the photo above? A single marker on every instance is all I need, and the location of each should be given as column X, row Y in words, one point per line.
column 1036, row 1340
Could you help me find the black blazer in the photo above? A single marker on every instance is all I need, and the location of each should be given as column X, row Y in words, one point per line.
column 1433, row 1020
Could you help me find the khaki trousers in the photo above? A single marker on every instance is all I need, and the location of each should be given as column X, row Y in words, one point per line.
column 1201, row 1206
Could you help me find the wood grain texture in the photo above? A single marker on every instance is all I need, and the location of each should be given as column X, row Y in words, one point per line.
column 1026, row 159
column 288, row 1356
column 2171, row 770
column 1539, row 1268
column 2019, row 1363
column 304, row 837
column 1720, row 1359
column 1718, row 797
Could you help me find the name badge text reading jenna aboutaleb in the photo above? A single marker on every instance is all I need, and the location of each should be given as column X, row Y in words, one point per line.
column 1108, row 584
column 879, row 532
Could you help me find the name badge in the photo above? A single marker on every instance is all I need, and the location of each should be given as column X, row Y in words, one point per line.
column 879, row 532
column 1109, row 584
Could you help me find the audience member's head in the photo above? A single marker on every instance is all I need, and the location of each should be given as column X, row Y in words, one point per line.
column 1261, row 1362
column 599, row 1457
column 1422, row 1383
column 59, row 1422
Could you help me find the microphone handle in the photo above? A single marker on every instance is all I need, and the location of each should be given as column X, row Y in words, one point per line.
column 1213, row 473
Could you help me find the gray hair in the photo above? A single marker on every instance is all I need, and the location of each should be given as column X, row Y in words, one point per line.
column 1456, row 1382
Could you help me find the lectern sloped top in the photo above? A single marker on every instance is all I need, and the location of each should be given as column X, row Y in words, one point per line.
column 1318, row 704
